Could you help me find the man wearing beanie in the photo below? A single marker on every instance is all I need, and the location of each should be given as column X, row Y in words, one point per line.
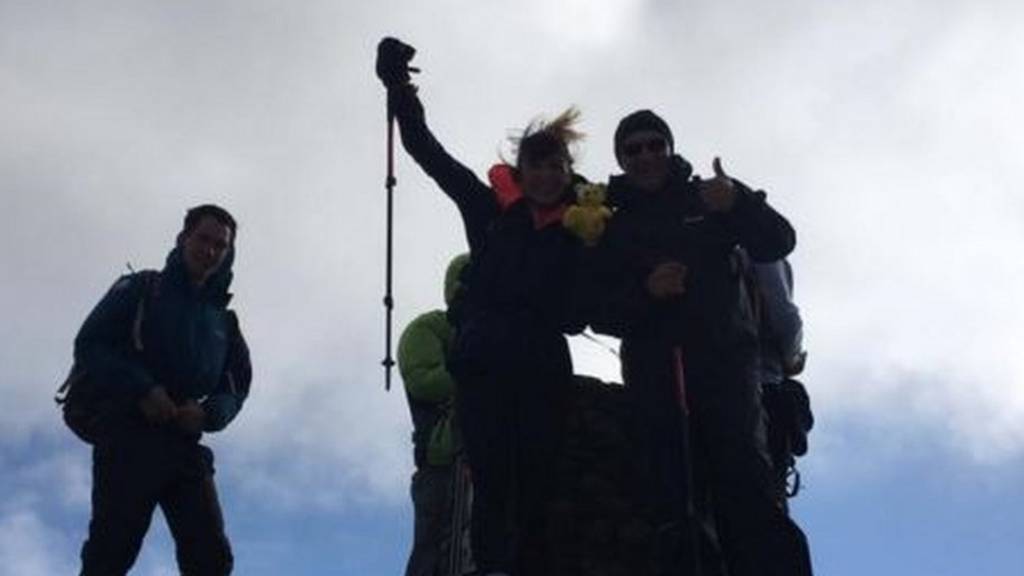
column 673, row 256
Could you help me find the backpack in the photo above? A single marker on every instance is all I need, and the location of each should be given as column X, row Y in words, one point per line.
column 86, row 410
column 788, row 407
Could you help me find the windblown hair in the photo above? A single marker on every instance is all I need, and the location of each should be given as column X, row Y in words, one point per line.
column 542, row 139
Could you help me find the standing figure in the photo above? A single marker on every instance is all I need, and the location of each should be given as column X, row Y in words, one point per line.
column 439, row 490
column 677, row 298
column 510, row 358
column 165, row 361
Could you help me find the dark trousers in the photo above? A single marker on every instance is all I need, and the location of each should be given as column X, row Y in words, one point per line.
column 432, row 506
column 728, row 454
column 136, row 470
column 511, row 414
column 653, row 378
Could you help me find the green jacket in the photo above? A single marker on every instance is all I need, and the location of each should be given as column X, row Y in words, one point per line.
column 430, row 389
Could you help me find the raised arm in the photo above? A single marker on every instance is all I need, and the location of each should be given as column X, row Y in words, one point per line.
column 474, row 199
column 764, row 233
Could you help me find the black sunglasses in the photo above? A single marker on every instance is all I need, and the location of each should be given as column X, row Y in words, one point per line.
column 654, row 146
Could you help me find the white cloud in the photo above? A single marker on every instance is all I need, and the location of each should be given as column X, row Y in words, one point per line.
column 886, row 132
column 30, row 548
column 58, row 477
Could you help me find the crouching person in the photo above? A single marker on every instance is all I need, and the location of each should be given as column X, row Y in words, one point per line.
column 440, row 486
column 159, row 361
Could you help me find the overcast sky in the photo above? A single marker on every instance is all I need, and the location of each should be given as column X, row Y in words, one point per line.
column 890, row 133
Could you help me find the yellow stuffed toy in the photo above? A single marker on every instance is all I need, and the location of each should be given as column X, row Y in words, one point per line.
column 587, row 218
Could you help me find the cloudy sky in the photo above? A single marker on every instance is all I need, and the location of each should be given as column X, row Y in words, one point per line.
column 890, row 133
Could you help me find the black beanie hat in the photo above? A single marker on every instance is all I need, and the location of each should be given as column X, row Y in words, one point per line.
column 639, row 121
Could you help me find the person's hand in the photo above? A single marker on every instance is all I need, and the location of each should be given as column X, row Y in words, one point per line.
column 667, row 280
column 796, row 364
column 393, row 58
column 719, row 193
column 157, row 406
column 191, row 417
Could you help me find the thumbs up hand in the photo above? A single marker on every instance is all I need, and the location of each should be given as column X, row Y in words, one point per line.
column 719, row 193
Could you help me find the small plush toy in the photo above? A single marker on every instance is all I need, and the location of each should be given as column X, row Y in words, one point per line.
column 588, row 216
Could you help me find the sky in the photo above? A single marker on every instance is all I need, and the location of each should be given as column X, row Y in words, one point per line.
column 889, row 133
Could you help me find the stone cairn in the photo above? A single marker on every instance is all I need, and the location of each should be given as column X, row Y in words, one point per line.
column 596, row 525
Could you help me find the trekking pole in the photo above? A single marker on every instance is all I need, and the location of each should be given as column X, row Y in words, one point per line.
column 393, row 68
column 691, row 564
column 458, row 524
column 389, row 301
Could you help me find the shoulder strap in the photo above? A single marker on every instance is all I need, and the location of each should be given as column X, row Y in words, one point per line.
column 151, row 283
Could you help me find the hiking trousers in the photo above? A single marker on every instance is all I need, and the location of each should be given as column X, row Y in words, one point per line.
column 432, row 500
column 511, row 413
column 134, row 471
column 727, row 454
column 731, row 460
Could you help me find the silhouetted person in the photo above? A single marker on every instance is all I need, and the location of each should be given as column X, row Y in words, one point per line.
column 690, row 340
column 430, row 389
column 166, row 350
column 782, row 358
column 510, row 358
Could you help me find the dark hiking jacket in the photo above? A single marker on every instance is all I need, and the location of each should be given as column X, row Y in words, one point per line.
column 649, row 228
column 526, row 279
column 190, row 342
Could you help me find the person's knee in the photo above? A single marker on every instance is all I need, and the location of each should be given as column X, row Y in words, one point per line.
column 111, row 548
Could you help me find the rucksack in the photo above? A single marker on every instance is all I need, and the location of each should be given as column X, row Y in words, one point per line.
column 85, row 408
column 788, row 407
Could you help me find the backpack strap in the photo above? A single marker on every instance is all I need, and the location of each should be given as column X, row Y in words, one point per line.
column 151, row 282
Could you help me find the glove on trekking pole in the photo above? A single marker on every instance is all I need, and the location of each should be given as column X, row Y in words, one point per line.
column 393, row 70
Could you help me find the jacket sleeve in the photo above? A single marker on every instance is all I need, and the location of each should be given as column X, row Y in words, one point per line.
column 474, row 199
column 421, row 360
column 226, row 401
column 104, row 347
column 775, row 283
column 622, row 305
column 764, row 233
column 627, row 308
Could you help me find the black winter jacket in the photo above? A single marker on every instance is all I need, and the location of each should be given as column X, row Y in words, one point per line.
column 523, row 282
column 649, row 228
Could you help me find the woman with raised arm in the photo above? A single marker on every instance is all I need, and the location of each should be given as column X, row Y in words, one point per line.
column 524, row 285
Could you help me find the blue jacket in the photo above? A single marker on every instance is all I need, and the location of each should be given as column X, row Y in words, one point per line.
column 190, row 342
